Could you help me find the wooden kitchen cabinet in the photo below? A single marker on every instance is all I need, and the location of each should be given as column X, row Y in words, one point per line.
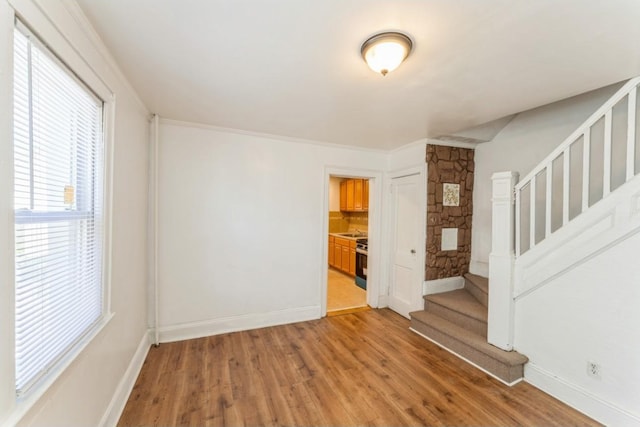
column 350, row 195
column 345, row 259
column 357, row 194
column 352, row 258
column 354, row 195
column 340, row 260
column 344, row 254
column 331, row 250
column 337, row 255
column 365, row 194
column 343, row 195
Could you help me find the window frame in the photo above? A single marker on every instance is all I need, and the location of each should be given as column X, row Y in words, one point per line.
column 35, row 19
column 60, row 361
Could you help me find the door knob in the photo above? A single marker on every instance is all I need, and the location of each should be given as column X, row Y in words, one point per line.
column 413, row 251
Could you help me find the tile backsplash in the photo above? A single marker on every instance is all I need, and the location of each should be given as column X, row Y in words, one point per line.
column 342, row 222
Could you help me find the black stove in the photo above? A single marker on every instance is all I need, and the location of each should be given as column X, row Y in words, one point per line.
column 362, row 245
column 362, row 253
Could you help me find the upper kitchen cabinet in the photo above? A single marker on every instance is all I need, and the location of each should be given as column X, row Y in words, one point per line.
column 365, row 194
column 357, row 194
column 350, row 195
column 354, row 195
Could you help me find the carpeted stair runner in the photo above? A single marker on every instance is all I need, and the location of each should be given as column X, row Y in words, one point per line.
column 457, row 321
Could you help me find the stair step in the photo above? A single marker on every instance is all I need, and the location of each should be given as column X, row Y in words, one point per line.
column 478, row 286
column 460, row 308
column 506, row 365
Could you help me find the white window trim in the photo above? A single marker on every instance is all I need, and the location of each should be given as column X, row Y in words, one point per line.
column 13, row 409
column 42, row 386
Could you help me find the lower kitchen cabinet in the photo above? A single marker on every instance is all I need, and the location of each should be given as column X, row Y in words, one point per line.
column 342, row 255
column 352, row 258
column 331, row 251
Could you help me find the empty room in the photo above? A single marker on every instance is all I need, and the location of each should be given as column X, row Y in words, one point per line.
column 190, row 192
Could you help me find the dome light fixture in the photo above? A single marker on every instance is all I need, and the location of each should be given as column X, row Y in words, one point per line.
column 384, row 52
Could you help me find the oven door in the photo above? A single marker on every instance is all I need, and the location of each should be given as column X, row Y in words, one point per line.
column 361, row 268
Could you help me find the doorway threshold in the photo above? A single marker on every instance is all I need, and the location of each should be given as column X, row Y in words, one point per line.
column 349, row 310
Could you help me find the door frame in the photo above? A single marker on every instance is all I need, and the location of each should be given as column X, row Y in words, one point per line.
column 375, row 256
column 421, row 171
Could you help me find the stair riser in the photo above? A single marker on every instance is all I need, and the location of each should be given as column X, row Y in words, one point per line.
column 469, row 323
column 508, row 374
column 478, row 293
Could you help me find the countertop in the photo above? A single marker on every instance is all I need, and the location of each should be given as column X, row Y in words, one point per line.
column 363, row 236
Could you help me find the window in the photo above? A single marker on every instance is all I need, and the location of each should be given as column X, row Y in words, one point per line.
column 58, row 200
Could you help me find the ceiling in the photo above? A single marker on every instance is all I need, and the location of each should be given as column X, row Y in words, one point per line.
column 293, row 67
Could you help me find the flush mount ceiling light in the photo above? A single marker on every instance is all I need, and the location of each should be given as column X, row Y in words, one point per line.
column 384, row 52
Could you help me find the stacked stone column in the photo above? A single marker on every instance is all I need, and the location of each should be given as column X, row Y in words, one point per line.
column 456, row 166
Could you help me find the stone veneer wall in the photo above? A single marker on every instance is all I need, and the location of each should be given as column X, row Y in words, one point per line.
column 456, row 166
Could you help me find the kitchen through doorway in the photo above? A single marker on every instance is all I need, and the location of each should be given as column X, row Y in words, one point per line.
column 348, row 245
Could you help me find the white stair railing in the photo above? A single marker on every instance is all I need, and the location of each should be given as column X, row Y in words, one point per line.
column 519, row 224
column 527, row 234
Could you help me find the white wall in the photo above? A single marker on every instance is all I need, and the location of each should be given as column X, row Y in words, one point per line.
column 334, row 194
column 407, row 156
column 241, row 227
column 520, row 146
column 82, row 395
column 588, row 314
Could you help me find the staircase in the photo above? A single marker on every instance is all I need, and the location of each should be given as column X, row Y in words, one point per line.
column 578, row 202
column 457, row 321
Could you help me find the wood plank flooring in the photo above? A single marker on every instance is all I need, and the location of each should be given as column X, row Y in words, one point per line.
column 364, row 368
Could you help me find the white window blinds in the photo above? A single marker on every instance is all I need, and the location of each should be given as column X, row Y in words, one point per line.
column 58, row 183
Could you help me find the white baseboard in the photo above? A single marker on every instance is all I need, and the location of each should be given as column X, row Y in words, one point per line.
column 438, row 286
column 128, row 380
column 579, row 398
column 480, row 268
column 383, row 301
column 243, row 322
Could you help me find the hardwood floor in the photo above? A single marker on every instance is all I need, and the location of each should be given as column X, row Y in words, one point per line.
column 364, row 368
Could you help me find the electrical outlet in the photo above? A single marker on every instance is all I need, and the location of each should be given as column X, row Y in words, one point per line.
column 593, row 369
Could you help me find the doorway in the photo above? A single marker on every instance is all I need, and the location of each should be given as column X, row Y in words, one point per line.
column 348, row 232
column 407, row 260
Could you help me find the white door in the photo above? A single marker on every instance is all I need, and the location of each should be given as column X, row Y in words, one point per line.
column 405, row 290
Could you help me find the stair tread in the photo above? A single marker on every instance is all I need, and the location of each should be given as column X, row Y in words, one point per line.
column 481, row 282
column 461, row 301
column 511, row 358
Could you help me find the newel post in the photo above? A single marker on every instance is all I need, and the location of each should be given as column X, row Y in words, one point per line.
column 501, row 261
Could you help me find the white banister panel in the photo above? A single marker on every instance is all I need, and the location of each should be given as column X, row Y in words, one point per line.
column 532, row 213
column 575, row 178
column 524, row 216
column 578, row 173
column 566, row 162
column 619, row 142
column 606, row 155
column 557, row 193
column 631, row 134
column 548, row 200
column 586, row 161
